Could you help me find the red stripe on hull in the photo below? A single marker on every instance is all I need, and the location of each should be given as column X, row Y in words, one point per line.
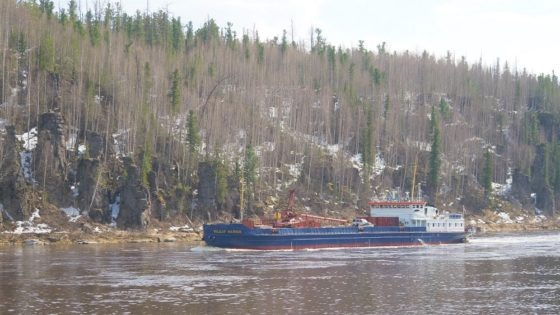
column 342, row 246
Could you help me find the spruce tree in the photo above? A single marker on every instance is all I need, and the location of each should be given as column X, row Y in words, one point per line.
column 367, row 146
column 193, row 139
column 221, row 182
column 193, row 133
column 177, row 36
column 487, row 172
column 250, row 173
column 175, row 92
column 435, row 158
column 284, row 44
column 46, row 54
column 444, row 109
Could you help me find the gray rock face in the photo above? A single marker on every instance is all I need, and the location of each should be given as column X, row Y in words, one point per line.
column 473, row 194
column 13, row 189
column 49, row 160
column 207, row 187
column 96, row 144
column 92, row 193
column 545, row 195
column 135, row 205
column 521, row 188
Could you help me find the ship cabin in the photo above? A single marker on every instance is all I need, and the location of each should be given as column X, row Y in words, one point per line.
column 418, row 214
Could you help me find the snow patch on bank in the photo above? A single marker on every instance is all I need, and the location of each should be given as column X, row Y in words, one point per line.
column 115, row 208
column 504, row 218
column 29, row 227
column 184, row 228
column 72, row 213
column 538, row 218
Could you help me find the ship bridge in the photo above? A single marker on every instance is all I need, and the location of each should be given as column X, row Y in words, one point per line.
column 418, row 213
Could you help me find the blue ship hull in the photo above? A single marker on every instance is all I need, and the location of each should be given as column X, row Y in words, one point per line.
column 239, row 236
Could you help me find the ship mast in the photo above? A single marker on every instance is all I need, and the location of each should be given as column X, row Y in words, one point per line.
column 241, row 205
column 414, row 176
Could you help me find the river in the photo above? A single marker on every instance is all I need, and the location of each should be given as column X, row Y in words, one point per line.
column 496, row 274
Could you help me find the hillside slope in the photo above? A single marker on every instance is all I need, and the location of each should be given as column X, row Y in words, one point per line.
column 139, row 120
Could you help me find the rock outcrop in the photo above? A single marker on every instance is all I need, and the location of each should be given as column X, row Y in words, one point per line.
column 49, row 160
column 207, row 187
column 13, row 188
column 96, row 144
column 92, row 191
column 135, row 210
column 540, row 184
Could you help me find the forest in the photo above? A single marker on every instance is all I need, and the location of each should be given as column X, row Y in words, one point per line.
column 143, row 118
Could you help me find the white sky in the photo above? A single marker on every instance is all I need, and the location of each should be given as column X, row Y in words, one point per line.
column 525, row 33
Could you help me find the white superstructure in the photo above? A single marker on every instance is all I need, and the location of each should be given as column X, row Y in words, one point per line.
column 418, row 213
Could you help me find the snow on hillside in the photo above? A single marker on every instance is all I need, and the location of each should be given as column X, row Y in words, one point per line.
column 120, row 141
column 377, row 168
column 71, row 140
column 503, row 189
column 29, row 140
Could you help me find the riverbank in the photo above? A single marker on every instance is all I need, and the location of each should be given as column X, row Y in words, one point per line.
column 492, row 221
column 105, row 237
column 86, row 233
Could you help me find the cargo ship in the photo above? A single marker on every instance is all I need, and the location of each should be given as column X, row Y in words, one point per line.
column 389, row 223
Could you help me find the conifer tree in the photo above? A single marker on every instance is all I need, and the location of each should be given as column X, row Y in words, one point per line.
column 46, row 6
column 487, row 173
column 284, row 43
column 146, row 167
column 93, row 28
column 46, row 54
column 444, row 109
column 250, row 173
column 221, row 182
column 193, row 133
column 367, row 145
column 177, row 36
column 175, row 92
column 435, row 158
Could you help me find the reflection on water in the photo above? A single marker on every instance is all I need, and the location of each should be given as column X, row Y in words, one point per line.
column 514, row 274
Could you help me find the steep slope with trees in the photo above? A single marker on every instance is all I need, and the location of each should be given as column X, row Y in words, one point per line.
column 146, row 114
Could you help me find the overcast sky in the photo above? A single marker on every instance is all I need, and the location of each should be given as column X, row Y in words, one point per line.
column 525, row 33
